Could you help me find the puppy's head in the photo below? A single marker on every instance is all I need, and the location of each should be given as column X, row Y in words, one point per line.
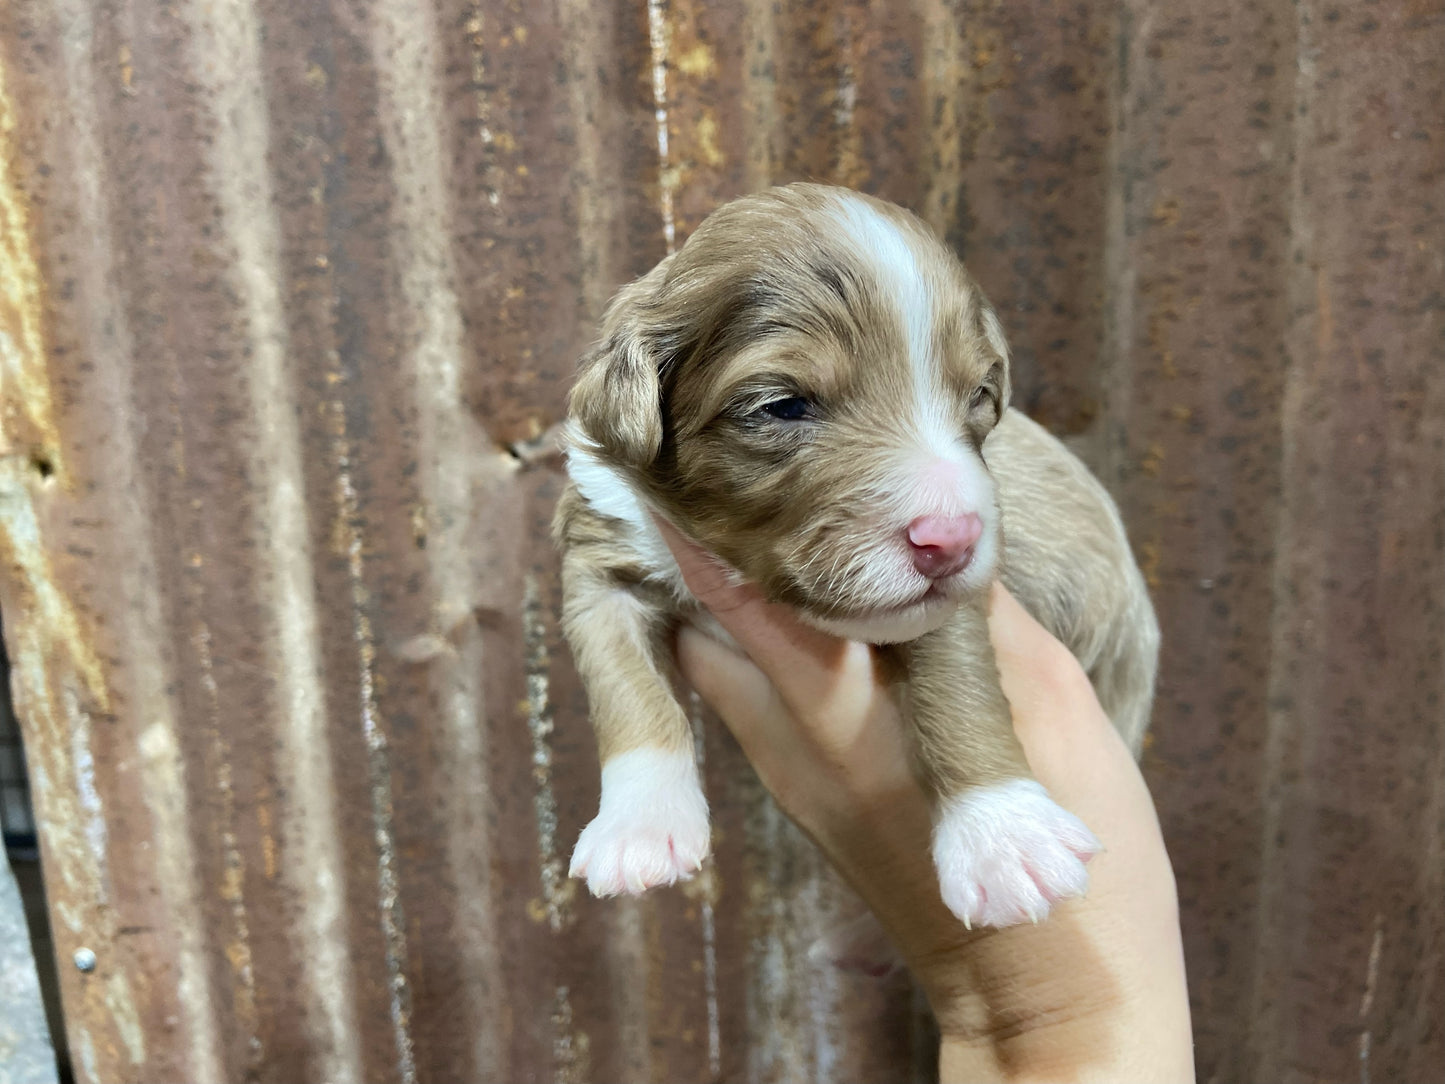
column 805, row 388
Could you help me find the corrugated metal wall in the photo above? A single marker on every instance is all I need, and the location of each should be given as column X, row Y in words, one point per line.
column 291, row 289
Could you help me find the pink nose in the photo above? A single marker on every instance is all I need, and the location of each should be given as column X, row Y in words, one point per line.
column 943, row 545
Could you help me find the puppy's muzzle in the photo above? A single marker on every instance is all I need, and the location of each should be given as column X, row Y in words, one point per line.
column 942, row 546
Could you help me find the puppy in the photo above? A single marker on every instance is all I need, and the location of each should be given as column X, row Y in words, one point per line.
column 814, row 390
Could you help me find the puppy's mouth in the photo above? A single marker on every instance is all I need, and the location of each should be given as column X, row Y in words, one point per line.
column 934, row 593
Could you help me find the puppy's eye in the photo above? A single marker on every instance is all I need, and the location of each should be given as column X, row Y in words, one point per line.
column 793, row 409
column 983, row 394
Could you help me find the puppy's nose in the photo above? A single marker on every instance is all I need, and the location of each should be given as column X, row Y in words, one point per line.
column 943, row 545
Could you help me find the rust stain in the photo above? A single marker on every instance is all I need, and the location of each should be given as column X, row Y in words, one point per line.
column 1150, row 557
column 45, row 640
column 697, row 61
column 59, row 682
column 1152, row 461
column 706, row 133
column 127, row 72
column 1162, row 314
column 948, row 103
column 268, row 841
column 27, row 425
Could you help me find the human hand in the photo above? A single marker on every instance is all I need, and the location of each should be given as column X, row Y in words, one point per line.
column 1096, row 991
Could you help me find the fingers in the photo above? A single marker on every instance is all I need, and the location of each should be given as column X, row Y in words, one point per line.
column 804, row 663
column 730, row 683
column 1015, row 633
column 1044, row 682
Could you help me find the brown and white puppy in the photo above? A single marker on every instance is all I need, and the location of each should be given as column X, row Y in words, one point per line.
column 815, row 390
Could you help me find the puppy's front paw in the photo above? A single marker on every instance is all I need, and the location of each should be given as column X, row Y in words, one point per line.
column 652, row 828
column 1006, row 853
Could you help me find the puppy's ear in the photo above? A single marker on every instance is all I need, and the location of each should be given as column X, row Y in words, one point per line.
column 993, row 333
column 617, row 396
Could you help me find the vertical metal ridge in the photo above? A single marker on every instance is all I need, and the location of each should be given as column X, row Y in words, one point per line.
column 58, row 679
column 579, row 20
column 225, row 62
column 759, row 93
column 556, row 887
column 944, row 95
column 1281, row 730
column 24, row 379
column 402, row 41
column 1354, row 745
column 348, row 534
column 235, row 945
column 1107, row 449
column 657, row 37
column 149, row 670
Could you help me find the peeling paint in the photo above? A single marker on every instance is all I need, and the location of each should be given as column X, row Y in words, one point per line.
column 393, row 922
column 709, row 972
column 657, row 37
column 569, row 1046
column 557, row 888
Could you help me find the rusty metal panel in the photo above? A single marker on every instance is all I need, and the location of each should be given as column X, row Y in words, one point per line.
column 291, row 292
column 1283, row 349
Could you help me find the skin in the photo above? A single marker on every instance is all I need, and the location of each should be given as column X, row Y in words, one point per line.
column 1094, row 993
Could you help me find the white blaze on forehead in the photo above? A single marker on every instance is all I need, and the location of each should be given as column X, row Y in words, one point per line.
column 882, row 246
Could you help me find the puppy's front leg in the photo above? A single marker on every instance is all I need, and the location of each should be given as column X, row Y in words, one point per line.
column 652, row 827
column 1004, row 850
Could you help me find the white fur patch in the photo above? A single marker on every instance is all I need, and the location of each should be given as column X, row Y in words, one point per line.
column 609, row 493
column 1007, row 853
column 883, row 245
column 652, row 828
column 604, row 487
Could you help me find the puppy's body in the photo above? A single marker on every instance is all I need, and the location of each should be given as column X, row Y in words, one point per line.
column 815, row 390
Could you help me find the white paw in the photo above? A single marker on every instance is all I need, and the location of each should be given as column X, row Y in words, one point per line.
column 652, row 828
column 1006, row 853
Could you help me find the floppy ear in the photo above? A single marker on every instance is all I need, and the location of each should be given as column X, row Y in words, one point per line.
column 617, row 397
column 993, row 333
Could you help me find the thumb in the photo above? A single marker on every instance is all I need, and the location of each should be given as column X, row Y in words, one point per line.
column 802, row 661
column 733, row 686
